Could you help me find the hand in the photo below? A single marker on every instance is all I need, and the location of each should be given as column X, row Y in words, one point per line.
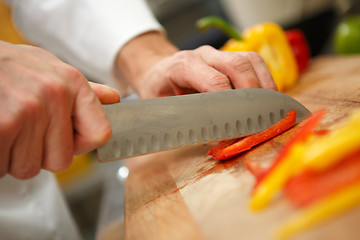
column 49, row 112
column 162, row 70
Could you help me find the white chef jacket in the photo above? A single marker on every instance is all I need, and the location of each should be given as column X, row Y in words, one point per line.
column 87, row 34
column 34, row 209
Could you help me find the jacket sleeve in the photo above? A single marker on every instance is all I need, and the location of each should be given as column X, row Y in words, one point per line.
column 85, row 33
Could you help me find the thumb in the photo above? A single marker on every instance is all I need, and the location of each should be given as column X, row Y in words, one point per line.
column 91, row 126
column 105, row 94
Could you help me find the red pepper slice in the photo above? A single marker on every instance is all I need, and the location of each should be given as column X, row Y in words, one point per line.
column 246, row 143
column 221, row 145
column 300, row 47
column 310, row 186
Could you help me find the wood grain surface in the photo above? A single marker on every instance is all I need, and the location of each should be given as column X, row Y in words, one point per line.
column 184, row 194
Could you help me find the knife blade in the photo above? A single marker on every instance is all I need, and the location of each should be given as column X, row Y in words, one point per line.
column 146, row 126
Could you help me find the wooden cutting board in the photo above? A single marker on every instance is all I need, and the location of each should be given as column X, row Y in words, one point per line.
column 184, row 194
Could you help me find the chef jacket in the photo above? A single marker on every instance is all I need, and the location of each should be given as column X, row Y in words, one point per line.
column 85, row 33
column 88, row 35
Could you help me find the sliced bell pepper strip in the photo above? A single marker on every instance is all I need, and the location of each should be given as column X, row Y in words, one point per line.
column 300, row 48
column 285, row 163
column 330, row 206
column 304, row 132
column 323, row 171
column 317, row 153
column 248, row 142
column 302, row 135
column 267, row 39
column 221, row 145
column 324, row 151
column 310, row 186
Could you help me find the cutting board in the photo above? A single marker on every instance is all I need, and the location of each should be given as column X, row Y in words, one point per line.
column 184, row 194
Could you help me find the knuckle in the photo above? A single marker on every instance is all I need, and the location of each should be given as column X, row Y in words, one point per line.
column 61, row 86
column 256, row 58
column 9, row 125
column 57, row 90
column 50, row 86
column 180, row 61
column 32, row 107
column 218, row 81
column 28, row 109
column 252, row 54
column 206, row 48
column 71, row 72
column 241, row 63
column 184, row 56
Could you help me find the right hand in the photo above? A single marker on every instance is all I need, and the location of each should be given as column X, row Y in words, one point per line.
column 156, row 68
column 49, row 112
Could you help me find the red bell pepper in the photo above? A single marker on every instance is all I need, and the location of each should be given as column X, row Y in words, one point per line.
column 300, row 48
column 310, row 186
column 225, row 150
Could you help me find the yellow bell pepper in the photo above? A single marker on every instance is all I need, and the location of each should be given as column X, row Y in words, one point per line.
column 330, row 206
column 267, row 39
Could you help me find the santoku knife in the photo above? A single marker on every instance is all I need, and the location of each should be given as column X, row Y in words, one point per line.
column 147, row 126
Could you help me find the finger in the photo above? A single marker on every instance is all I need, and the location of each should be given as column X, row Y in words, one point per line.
column 91, row 126
column 105, row 94
column 191, row 72
column 26, row 152
column 237, row 67
column 58, row 142
column 262, row 71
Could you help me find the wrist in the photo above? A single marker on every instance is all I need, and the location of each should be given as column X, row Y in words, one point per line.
column 140, row 54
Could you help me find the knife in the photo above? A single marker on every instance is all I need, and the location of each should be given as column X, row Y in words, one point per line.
column 146, row 126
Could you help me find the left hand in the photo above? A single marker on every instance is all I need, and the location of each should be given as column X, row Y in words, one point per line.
column 49, row 112
column 158, row 69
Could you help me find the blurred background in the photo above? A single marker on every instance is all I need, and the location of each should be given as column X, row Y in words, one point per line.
column 317, row 18
column 95, row 191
